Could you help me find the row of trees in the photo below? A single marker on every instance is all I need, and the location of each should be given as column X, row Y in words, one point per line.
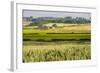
column 70, row 20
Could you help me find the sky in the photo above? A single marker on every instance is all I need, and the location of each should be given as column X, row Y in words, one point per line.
column 34, row 13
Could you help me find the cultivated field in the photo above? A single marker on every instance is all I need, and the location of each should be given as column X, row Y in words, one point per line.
column 64, row 42
column 56, row 51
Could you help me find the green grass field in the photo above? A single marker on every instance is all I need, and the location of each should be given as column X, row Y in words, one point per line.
column 66, row 42
column 51, row 37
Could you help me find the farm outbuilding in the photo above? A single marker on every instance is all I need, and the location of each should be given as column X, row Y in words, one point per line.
column 44, row 27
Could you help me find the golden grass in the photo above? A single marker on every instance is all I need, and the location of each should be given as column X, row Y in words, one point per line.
column 82, row 27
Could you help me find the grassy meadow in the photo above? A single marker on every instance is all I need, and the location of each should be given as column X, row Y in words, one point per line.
column 64, row 42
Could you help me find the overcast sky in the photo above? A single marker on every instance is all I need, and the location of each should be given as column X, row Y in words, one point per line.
column 28, row 13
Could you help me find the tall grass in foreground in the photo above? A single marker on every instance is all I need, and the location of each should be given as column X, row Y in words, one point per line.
column 60, row 52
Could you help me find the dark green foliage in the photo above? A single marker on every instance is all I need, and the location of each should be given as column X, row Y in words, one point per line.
column 54, row 25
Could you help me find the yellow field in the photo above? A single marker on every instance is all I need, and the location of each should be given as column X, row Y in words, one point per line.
column 81, row 27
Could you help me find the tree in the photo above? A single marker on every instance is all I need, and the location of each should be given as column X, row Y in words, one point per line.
column 30, row 18
column 54, row 25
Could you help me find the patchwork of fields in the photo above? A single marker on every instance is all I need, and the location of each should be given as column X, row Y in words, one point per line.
column 65, row 42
